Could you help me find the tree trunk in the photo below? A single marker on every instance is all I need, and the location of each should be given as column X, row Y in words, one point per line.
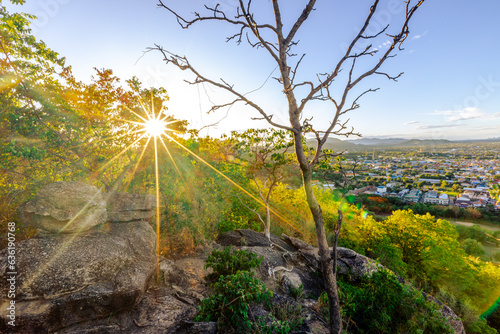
column 324, row 252
column 267, row 229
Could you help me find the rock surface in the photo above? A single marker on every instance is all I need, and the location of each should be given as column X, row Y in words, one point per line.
column 125, row 207
column 66, row 279
column 65, row 207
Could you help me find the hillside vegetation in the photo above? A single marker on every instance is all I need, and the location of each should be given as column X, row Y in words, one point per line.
column 54, row 127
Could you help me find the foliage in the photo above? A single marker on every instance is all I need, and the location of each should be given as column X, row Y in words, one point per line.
column 229, row 261
column 469, row 317
column 426, row 251
column 495, row 191
column 296, row 293
column 473, row 247
column 475, row 232
column 262, row 326
column 231, row 298
column 380, row 304
column 291, row 314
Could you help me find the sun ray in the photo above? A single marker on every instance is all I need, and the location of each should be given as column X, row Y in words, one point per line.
column 118, row 155
column 63, row 247
column 133, row 112
column 172, row 159
column 139, row 99
column 152, row 105
column 137, row 164
column 112, row 137
column 157, row 186
column 236, row 184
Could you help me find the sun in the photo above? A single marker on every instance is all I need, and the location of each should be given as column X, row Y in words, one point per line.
column 155, row 127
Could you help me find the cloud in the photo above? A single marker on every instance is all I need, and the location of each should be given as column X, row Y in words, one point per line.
column 465, row 114
column 420, row 35
column 412, row 123
column 438, row 126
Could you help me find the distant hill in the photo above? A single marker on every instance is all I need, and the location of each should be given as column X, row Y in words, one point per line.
column 371, row 143
column 424, row 142
column 334, row 144
column 376, row 141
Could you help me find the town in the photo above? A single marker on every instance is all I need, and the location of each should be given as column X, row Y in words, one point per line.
column 455, row 174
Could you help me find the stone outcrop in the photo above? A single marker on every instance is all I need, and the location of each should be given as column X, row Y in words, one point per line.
column 125, row 207
column 66, row 278
column 65, row 207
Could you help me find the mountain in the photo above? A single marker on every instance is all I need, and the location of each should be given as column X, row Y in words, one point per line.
column 424, row 142
column 371, row 143
column 334, row 144
column 377, row 141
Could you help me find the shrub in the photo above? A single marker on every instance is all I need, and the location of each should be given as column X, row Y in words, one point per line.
column 229, row 262
column 231, row 298
column 380, row 304
column 292, row 315
column 473, row 247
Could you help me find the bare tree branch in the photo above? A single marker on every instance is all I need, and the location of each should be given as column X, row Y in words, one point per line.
column 183, row 64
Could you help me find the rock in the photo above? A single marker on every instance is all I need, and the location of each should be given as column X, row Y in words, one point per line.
column 453, row 320
column 156, row 313
column 66, row 279
column 290, row 281
column 355, row 267
column 448, row 313
column 346, row 252
column 189, row 327
column 243, row 237
column 125, row 207
column 65, row 207
column 297, row 243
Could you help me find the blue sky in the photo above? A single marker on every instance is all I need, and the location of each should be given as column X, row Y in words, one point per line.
column 450, row 88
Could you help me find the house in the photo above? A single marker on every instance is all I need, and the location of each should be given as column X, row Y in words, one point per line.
column 413, row 196
column 463, row 201
column 365, row 190
column 444, row 199
column 431, row 197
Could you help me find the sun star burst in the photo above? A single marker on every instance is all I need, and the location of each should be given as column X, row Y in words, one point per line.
column 155, row 127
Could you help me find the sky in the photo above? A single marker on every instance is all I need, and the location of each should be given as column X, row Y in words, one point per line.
column 450, row 88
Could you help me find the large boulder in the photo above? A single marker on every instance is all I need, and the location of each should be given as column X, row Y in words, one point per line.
column 65, row 207
column 125, row 207
column 65, row 279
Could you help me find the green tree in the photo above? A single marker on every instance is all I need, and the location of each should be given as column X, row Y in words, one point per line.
column 495, row 191
column 267, row 152
column 473, row 247
column 54, row 127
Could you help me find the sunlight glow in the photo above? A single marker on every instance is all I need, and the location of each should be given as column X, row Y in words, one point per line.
column 155, row 127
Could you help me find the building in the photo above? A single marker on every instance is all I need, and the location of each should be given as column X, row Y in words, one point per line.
column 432, row 197
column 444, row 199
column 413, row 196
column 463, row 201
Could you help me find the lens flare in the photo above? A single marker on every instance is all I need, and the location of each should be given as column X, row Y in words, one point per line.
column 155, row 127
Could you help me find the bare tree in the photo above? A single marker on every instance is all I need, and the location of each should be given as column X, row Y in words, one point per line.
column 279, row 43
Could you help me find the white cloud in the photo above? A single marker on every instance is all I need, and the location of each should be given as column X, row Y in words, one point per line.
column 412, row 123
column 437, row 126
column 420, row 35
column 466, row 114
